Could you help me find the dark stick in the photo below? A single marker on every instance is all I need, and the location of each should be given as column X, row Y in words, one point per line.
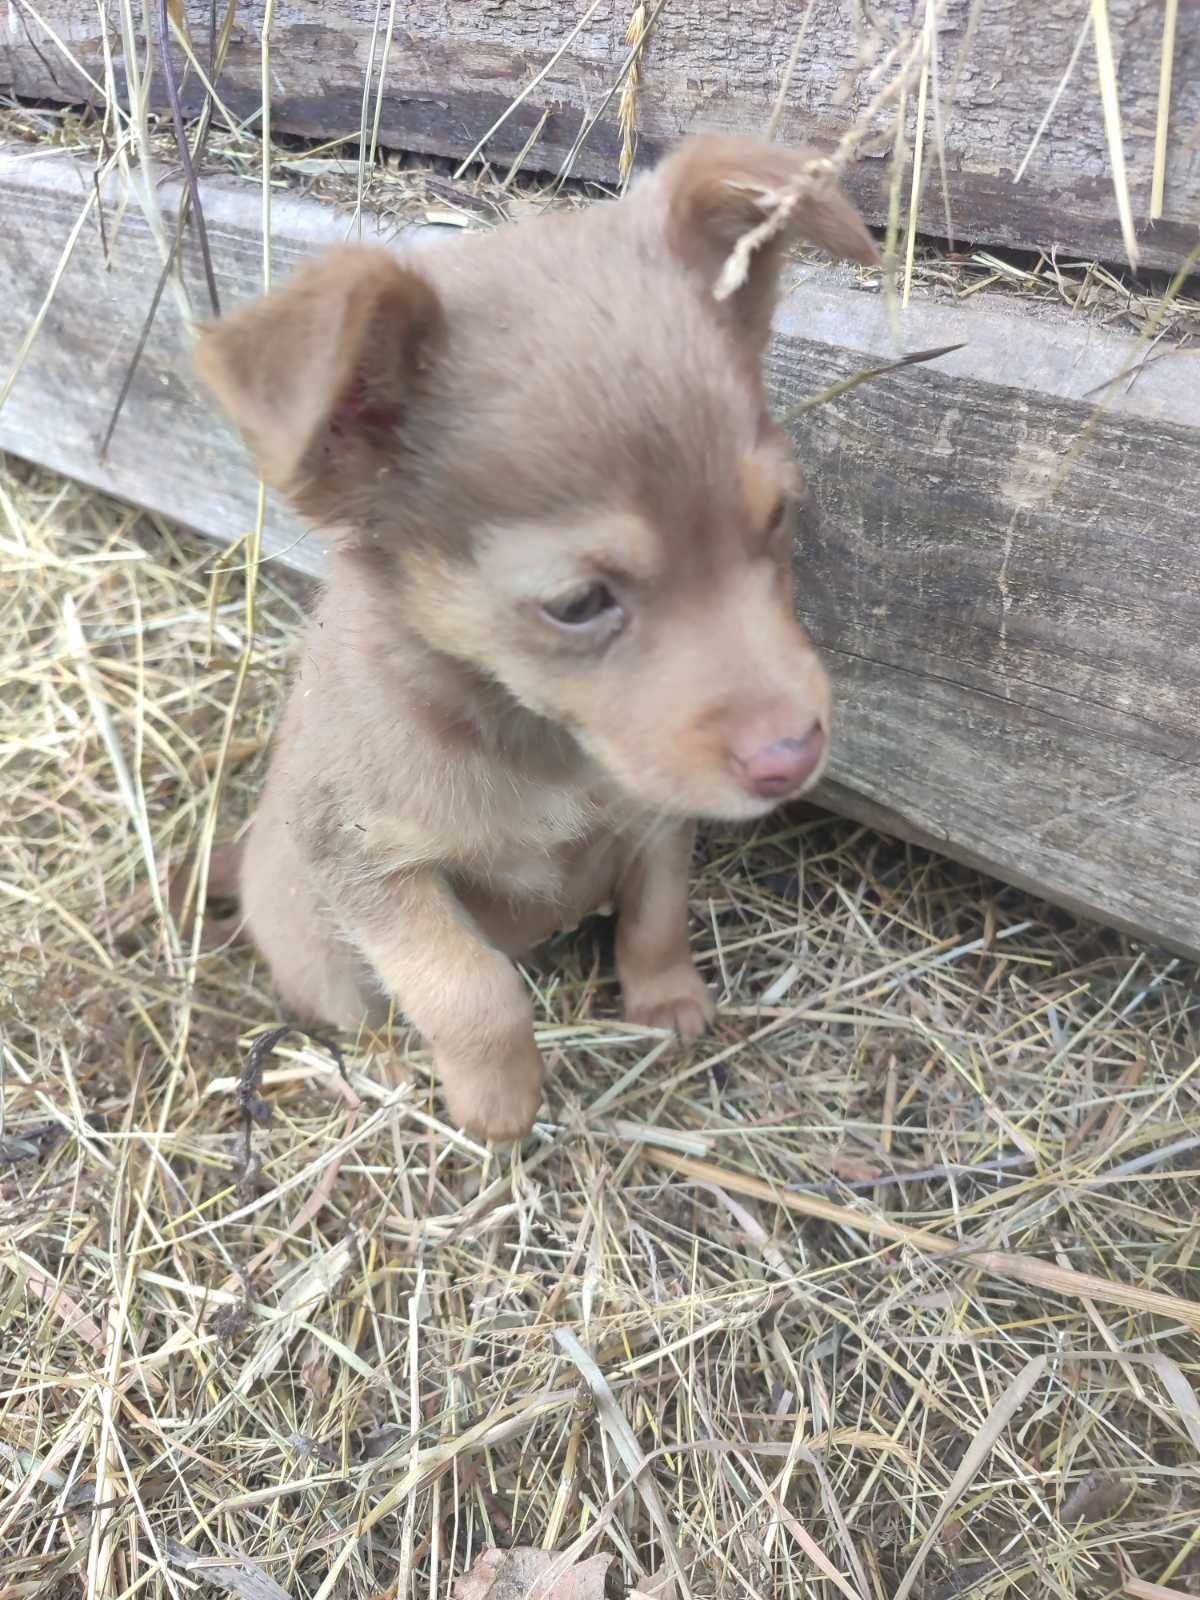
column 181, row 222
column 185, row 153
column 143, row 336
column 254, row 1107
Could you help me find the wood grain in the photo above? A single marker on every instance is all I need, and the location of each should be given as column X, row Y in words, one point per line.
column 1017, row 663
column 453, row 70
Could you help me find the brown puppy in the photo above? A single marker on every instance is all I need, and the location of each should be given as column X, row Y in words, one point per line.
column 557, row 624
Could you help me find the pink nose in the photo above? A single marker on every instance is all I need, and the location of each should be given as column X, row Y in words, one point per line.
column 782, row 768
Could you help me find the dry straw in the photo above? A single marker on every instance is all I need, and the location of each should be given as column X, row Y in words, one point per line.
column 889, row 1288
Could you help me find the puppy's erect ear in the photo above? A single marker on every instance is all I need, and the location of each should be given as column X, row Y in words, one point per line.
column 317, row 375
column 732, row 205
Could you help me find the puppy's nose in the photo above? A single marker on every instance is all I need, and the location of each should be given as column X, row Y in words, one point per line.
column 782, row 768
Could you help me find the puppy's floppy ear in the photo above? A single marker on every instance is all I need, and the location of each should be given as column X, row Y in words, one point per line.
column 317, row 374
column 732, row 205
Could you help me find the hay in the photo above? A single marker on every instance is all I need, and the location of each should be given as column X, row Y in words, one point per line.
column 758, row 1301
column 907, row 94
column 402, row 187
column 887, row 1290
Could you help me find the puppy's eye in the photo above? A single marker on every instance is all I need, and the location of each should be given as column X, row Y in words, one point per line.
column 778, row 517
column 584, row 607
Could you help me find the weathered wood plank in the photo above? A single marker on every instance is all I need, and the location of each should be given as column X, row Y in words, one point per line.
column 1018, row 670
column 453, row 69
column 165, row 453
column 1018, row 675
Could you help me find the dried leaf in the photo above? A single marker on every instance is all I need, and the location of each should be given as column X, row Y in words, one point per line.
column 447, row 219
column 527, row 1574
column 235, row 1574
column 1094, row 1498
column 663, row 1584
column 320, row 167
column 314, row 1372
column 43, row 1287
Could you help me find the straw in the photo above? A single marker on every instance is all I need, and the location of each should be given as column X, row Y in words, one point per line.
column 942, row 1138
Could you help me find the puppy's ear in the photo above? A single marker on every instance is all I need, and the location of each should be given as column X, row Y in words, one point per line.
column 318, row 374
column 733, row 204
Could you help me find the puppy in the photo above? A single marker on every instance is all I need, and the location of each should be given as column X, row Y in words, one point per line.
column 558, row 622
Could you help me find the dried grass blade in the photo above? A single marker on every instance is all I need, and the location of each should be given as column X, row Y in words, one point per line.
column 918, row 169
column 1106, row 67
column 67, row 54
column 377, row 122
column 1139, row 1589
column 627, row 65
column 132, row 800
column 1162, row 122
column 865, row 376
column 1080, row 41
column 264, row 54
column 977, row 1453
column 363, row 144
column 789, row 72
column 1003, row 1263
column 35, row 326
column 891, row 231
column 316, row 1283
column 625, row 1441
column 424, row 1465
column 184, row 150
column 480, row 144
column 813, row 1551
column 1173, row 1380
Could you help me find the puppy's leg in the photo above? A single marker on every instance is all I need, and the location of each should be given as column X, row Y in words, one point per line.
column 464, row 996
column 654, row 962
column 319, row 976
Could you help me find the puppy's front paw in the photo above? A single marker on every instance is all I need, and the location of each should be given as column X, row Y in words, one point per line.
column 497, row 1095
column 678, row 999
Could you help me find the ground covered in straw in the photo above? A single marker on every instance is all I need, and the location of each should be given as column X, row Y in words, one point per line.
column 798, row 1314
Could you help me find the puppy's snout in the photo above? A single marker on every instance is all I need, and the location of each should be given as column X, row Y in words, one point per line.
column 783, row 767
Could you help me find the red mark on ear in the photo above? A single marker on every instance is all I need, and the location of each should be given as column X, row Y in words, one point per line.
column 359, row 410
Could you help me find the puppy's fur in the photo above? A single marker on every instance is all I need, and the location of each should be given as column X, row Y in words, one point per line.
column 558, row 621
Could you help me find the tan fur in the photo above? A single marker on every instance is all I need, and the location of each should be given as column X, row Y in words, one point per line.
column 484, row 434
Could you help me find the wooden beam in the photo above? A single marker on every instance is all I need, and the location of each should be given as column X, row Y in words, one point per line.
column 453, row 71
column 166, row 451
column 1007, row 587
column 1008, row 590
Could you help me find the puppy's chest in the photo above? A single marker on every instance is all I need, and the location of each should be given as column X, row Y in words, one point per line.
column 517, row 840
column 539, row 849
column 545, row 878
